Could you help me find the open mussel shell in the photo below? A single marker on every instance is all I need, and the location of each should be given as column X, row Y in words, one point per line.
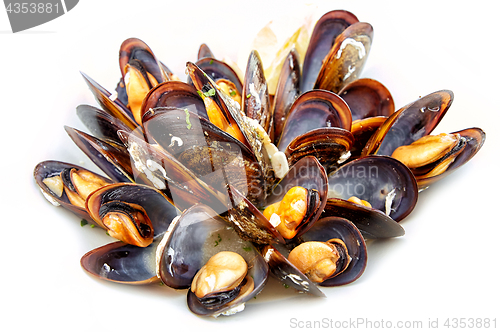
column 367, row 98
column 343, row 229
column 346, row 58
column 372, row 223
column 196, row 236
column 109, row 104
column 286, row 272
column 214, row 156
column 409, row 123
column 309, row 174
column 256, row 104
column 113, row 160
column 330, row 145
column 216, row 70
column 362, row 130
column 51, row 168
column 122, row 263
column 174, row 94
column 315, row 109
column 146, row 211
column 384, row 182
column 157, row 168
column 231, row 113
column 326, row 30
column 134, row 49
column 248, row 221
column 472, row 139
column 287, row 91
column 101, row 124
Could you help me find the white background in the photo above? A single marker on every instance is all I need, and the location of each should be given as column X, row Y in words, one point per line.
column 445, row 265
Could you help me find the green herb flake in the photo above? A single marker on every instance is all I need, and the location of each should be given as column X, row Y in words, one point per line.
column 209, row 93
column 249, row 95
column 247, row 248
column 211, row 61
column 107, row 234
column 83, row 222
column 92, row 226
column 187, row 118
column 218, row 240
column 232, row 93
column 286, row 286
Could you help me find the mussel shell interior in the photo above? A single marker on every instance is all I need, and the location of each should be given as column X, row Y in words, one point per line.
column 174, row 94
column 412, row 122
column 326, row 30
column 306, row 173
column 286, row 272
column 372, row 223
column 159, row 210
column 315, row 109
column 50, row 168
column 195, row 237
column 367, row 98
column 340, row 228
column 375, row 179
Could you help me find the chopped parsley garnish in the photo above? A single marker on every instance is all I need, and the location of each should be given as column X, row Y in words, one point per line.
column 232, row 93
column 209, row 93
column 92, row 226
column 218, row 240
column 248, row 248
column 211, row 61
column 83, row 222
column 187, row 118
column 249, row 95
column 286, row 286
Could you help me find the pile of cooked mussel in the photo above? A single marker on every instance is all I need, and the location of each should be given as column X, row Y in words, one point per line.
column 214, row 184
